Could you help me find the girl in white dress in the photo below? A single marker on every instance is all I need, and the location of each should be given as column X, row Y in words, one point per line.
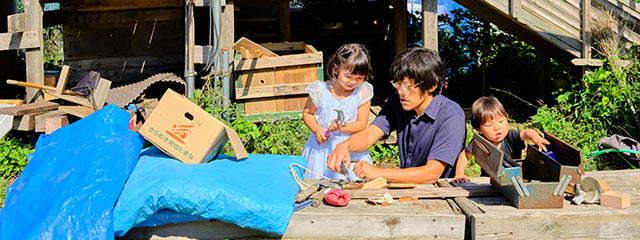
column 347, row 90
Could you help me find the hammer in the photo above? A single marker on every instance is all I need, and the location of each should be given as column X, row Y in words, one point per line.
column 339, row 120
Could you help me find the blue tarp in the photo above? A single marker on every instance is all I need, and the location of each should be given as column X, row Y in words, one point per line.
column 257, row 192
column 71, row 184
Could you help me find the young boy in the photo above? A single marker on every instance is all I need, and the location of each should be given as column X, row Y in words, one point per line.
column 489, row 118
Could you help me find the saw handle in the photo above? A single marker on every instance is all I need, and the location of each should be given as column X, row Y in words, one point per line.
column 304, row 194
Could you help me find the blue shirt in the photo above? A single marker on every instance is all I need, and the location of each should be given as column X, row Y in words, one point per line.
column 437, row 134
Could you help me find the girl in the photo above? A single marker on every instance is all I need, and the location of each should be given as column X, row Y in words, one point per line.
column 348, row 69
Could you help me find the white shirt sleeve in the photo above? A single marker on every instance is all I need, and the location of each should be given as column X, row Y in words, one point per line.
column 314, row 90
column 366, row 92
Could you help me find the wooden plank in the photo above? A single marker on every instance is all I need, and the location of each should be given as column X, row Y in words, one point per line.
column 54, row 123
column 400, row 25
column 62, row 80
column 74, row 99
column 108, row 5
column 587, row 62
column 422, row 193
column 284, row 46
column 228, row 28
column 557, row 19
column 15, row 23
column 125, row 69
column 280, row 80
column 283, row 61
column 272, row 116
column 285, row 20
column 19, row 40
column 100, row 93
column 25, row 122
column 11, row 101
column 514, row 8
column 40, row 119
column 467, row 207
column 34, row 57
column 78, row 111
column 586, row 29
column 251, row 48
column 271, row 91
column 430, row 24
column 29, row 108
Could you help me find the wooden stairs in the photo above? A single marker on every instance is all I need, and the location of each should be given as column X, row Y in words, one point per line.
column 557, row 27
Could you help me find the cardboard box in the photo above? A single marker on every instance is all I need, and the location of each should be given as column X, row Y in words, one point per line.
column 186, row 132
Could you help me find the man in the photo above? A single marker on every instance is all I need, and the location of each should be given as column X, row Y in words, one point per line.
column 430, row 127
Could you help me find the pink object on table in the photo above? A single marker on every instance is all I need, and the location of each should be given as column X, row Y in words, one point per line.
column 337, row 197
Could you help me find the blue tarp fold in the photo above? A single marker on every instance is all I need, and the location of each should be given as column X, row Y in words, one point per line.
column 257, row 192
column 73, row 179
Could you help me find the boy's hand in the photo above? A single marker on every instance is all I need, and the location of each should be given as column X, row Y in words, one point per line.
column 461, row 179
column 541, row 143
column 334, row 126
column 320, row 137
column 365, row 170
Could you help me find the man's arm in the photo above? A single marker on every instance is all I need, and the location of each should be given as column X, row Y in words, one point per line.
column 358, row 142
column 429, row 173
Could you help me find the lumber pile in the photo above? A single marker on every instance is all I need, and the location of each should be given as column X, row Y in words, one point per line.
column 58, row 107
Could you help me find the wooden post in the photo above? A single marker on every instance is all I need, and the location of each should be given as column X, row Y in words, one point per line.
column 514, row 8
column 586, row 32
column 34, row 56
column 430, row 24
column 227, row 30
column 400, row 8
column 285, row 21
column 8, row 68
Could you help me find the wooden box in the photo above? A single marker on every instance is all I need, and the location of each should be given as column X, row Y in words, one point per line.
column 273, row 87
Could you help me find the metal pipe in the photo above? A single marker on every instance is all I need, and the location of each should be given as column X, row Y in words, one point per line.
column 226, row 83
column 189, row 72
column 218, row 69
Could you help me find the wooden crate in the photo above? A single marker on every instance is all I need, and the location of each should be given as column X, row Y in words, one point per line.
column 273, row 87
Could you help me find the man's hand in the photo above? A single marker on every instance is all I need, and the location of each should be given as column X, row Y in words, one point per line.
column 339, row 155
column 540, row 142
column 461, row 179
column 365, row 170
column 334, row 126
column 320, row 137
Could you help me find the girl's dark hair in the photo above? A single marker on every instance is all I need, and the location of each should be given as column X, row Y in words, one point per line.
column 484, row 109
column 351, row 56
column 421, row 65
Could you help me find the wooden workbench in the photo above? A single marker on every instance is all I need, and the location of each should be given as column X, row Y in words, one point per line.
column 481, row 218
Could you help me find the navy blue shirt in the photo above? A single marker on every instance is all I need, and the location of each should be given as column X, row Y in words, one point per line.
column 437, row 134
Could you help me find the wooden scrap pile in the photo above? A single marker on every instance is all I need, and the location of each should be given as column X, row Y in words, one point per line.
column 57, row 106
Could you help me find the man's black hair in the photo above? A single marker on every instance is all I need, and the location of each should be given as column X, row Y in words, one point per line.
column 421, row 65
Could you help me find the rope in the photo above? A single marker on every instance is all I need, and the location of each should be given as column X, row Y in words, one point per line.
column 302, row 184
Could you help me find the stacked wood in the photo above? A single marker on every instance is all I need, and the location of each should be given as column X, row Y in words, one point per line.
column 53, row 112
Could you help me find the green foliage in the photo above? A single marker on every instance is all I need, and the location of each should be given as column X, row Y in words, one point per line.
column 3, row 186
column 53, row 48
column 605, row 103
column 13, row 156
column 385, row 153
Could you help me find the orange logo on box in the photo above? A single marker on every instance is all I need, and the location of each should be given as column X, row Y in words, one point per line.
column 179, row 132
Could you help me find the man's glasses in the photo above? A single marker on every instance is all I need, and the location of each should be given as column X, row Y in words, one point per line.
column 406, row 88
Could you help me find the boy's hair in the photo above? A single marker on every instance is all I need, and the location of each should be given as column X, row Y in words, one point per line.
column 351, row 56
column 421, row 65
column 484, row 109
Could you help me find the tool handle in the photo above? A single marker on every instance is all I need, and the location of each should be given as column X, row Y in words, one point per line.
column 326, row 133
column 39, row 86
column 301, row 196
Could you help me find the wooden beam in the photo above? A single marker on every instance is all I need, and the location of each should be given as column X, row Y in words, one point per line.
column 430, row 24
column 25, row 122
column 62, row 79
column 227, row 28
column 53, row 123
column 587, row 62
column 289, row 60
column 400, row 33
column 250, row 49
column 285, row 20
column 586, row 31
column 514, row 8
column 40, row 119
column 15, row 23
column 34, row 56
column 101, row 92
column 74, row 99
column 29, row 108
column 423, row 193
column 108, row 5
column 271, row 91
column 19, row 40
column 78, row 111
column 284, row 46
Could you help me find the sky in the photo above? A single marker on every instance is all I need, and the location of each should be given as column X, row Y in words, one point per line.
column 443, row 5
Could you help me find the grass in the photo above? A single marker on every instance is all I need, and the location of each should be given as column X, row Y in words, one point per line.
column 4, row 183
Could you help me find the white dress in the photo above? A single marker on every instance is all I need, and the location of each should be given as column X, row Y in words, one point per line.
column 316, row 154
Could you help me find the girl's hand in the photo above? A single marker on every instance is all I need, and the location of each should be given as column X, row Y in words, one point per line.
column 461, row 179
column 541, row 143
column 334, row 126
column 365, row 170
column 320, row 137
